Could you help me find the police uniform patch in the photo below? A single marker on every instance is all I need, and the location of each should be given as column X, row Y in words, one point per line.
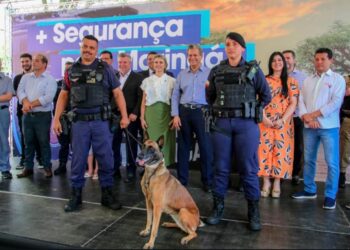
column 99, row 77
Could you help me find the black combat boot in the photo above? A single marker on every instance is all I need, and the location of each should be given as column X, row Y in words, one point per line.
column 217, row 212
column 74, row 204
column 342, row 180
column 61, row 169
column 109, row 199
column 254, row 215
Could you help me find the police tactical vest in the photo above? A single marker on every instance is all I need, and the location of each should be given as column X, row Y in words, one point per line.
column 234, row 90
column 87, row 90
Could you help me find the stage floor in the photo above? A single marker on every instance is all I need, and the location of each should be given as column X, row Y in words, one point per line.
column 32, row 215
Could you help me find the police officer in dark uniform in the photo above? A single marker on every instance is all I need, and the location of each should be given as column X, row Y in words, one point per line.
column 237, row 93
column 88, row 84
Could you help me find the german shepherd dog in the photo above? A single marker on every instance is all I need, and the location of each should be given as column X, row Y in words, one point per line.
column 164, row 193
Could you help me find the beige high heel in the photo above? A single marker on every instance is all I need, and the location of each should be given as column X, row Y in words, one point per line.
column 276, row 194
column 265, row 192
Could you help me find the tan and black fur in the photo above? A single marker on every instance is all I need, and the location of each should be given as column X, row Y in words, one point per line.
column 164, row 193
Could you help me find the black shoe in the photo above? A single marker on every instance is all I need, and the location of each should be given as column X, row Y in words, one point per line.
column 342, row 180
column 295, row 180
column 117, row 173
column 61, row 169
column 75, row 202
column 109, row 199
column 129, row 179
column 207, row 188
column 6, row 175
column 217, row 212
column 254, row 215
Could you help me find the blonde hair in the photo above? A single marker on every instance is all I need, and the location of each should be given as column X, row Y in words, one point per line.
column 163, row 58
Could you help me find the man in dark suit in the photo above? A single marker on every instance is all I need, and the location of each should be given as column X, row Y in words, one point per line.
column 130, row 85
column 150, row 71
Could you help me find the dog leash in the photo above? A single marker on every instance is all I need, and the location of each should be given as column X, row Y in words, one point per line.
column 133, row 137
column 128, row 139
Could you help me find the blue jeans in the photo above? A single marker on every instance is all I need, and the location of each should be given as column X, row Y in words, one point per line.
column 4, row 140
column 330, row 141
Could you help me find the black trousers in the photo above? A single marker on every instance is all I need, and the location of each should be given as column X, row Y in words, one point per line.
column 298, row 145
column 64, row 141
column 36, row 126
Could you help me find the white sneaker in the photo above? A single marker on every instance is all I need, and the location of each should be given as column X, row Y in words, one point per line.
column 87, row 175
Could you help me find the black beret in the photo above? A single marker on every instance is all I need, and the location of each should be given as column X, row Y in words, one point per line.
column 236, row 37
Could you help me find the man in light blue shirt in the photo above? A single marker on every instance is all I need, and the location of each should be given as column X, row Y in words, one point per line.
column 319, row 105
column 298, row 75
column 36, row 92
column 6, row 93
column 187, row 102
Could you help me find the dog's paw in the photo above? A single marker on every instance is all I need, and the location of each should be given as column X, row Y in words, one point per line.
column 144, row 233
column 184, row 241
column 148, row 246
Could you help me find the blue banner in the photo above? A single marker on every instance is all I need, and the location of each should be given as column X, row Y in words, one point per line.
column 121, row 31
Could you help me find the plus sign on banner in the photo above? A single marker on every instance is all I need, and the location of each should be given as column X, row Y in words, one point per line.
column 41, row 37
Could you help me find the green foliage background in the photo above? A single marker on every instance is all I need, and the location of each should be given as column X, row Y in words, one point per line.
column 337, row 38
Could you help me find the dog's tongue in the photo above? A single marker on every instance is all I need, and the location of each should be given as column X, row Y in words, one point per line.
column 141, row 162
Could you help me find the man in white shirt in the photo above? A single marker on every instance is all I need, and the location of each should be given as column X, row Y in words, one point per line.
column 35, row 92
column 319, row 105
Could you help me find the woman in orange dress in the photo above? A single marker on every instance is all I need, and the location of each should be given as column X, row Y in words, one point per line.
column 276, row 131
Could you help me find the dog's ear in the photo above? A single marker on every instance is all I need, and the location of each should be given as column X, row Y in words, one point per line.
column 145, row 136
column 160, row 141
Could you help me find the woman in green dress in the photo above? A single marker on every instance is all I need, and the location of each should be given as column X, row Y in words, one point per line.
column 156, row 108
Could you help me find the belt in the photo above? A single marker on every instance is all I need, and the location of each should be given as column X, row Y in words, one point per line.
column 193, row 106
column 4, row 107
column 88, row 117
column 38, row 113
column 237, row 113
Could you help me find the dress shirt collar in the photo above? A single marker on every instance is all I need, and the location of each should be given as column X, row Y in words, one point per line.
column 328, row 73
column 200, row 69
column 295, row 70
column 44, row 74
column 126, row 75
